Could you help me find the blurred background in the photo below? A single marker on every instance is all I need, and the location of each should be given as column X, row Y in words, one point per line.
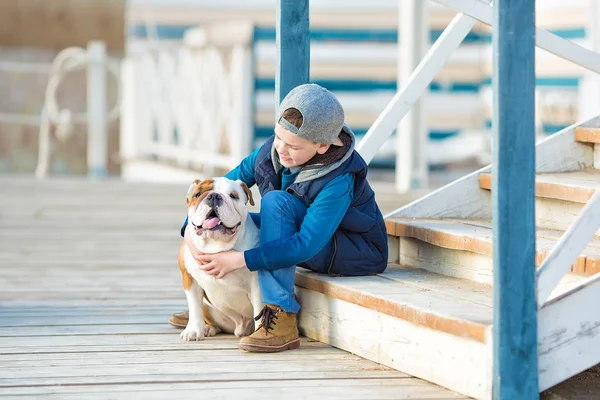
column 187, row 86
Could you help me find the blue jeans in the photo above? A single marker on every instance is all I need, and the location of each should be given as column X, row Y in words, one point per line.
column 280, row 217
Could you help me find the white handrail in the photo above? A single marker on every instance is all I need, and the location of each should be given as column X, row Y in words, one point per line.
column 419, row 81
column 543, row 39
column 568, row 248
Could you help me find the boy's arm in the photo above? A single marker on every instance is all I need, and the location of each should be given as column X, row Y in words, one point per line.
column 322, row 219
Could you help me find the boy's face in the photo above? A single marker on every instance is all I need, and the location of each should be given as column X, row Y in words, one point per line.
column 293, row 150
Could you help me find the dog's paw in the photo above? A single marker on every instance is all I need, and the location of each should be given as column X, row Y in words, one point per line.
column 210, row 331
column 191, row 333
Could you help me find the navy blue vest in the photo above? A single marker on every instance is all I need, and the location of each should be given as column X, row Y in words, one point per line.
column 360, row 244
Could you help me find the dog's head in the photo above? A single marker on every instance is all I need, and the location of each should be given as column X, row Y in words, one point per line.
column 217, row 209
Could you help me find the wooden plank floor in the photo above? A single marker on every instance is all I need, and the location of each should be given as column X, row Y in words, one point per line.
column 88, row 279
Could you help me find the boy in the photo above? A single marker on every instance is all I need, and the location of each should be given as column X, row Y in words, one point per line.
column 317, row 211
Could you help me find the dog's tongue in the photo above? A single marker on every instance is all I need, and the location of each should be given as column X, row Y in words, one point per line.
column 210, row 223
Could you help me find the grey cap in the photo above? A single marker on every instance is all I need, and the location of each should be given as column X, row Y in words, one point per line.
column 322, row 113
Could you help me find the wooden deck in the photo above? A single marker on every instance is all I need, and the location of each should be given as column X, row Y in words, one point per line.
column 88, row 279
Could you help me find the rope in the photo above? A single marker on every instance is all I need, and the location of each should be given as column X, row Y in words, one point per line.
column 68, row 60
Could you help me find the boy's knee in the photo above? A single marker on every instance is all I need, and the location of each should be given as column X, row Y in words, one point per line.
column 281, row 202
column 275, row 199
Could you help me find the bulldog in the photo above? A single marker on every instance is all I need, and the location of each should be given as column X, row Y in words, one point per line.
column 218, row 220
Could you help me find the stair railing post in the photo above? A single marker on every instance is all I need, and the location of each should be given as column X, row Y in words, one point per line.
column 515, row 373
column 293, row 47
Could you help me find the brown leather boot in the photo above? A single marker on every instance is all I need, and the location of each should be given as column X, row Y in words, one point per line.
column 278, row 331
column 179, row 320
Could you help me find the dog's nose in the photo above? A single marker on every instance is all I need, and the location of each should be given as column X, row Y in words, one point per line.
column 214, row 199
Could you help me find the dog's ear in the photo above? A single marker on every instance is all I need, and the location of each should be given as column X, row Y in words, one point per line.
column 247, row 191
column 188, row 196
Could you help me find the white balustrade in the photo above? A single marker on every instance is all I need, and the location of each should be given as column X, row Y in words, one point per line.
column 190, row 105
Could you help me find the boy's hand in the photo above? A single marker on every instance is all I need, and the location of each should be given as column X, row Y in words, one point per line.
column 220, row 264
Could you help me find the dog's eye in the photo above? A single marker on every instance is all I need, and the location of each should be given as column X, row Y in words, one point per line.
column 234, row 196
column 197, row 195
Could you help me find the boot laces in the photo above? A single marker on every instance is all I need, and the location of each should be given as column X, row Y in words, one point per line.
column 268, row 316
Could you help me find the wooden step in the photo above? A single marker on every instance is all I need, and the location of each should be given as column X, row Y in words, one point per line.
column 439, row 233
column 432, row 244
column 577, row 186
column 587, row 135
column 408, row 319
column 430, row 326
column 560, row 197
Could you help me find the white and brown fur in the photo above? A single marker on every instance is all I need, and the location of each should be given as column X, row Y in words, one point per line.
column 228, row 304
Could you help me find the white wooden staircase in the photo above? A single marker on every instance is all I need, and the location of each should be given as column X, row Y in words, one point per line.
column 430, row 313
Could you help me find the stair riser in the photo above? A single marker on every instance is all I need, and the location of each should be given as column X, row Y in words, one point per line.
column 455, row 263
column 462, row 365
column 465, row 264
column 590, row 136
column 557, row 214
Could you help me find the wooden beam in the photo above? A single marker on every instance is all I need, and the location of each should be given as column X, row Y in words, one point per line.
column 515, row 373
column 293, row 46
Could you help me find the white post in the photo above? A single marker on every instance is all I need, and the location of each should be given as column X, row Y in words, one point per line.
column 96, row 110
column 129, row 145
column 412, row 133
column 589, row 90
column 246, row 92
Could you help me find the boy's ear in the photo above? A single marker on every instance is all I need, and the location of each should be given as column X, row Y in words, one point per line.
column 247, row 191
column 322, row 149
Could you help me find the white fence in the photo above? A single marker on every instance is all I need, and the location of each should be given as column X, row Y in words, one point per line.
column 190, row 105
